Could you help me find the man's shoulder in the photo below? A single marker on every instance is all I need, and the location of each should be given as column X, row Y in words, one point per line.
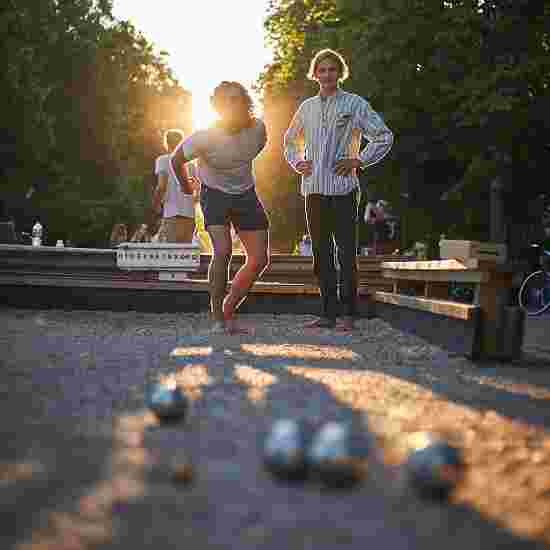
column 354, row 99
column 308, row 102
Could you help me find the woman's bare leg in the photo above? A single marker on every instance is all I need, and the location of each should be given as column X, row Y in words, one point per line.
column 256, row 245
column 220, row 238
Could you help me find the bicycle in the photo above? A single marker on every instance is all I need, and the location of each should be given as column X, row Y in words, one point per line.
column 534, row 293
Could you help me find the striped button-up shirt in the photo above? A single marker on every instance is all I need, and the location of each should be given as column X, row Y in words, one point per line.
column 325, row 130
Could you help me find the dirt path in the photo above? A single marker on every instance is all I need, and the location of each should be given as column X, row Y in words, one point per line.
column 84, row 465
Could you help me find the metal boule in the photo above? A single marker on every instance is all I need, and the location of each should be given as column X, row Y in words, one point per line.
column 434, row 468
column 167, row 402
column 338, row 454
column 284, row 450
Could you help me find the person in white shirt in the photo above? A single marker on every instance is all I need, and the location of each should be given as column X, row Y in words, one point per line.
column 176, row 200
column 322, row 144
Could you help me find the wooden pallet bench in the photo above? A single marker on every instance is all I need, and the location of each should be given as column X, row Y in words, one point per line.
column 418, row 300
column 90, row 278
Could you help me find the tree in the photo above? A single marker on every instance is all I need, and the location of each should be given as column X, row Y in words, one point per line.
column 87, row 100
column 463, row 84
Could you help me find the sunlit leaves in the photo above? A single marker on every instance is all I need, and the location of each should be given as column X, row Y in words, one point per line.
column 86, row 98
column 459, row 78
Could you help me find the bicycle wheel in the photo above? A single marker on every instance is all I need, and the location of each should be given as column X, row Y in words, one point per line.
column 534, row 294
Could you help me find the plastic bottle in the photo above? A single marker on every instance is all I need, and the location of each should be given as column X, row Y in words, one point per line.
column 37, row 231
column 196, row 251
column 305, row 246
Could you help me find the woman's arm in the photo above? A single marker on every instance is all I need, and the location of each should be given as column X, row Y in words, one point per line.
column 160, row 191
column 186, row 151
column 193, row 179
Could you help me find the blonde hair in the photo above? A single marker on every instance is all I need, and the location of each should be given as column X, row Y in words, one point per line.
column 323, row 55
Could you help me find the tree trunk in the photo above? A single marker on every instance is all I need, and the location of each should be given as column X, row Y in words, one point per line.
column 497, row 220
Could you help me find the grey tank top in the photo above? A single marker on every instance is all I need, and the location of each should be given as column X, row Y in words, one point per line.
column 225, row 161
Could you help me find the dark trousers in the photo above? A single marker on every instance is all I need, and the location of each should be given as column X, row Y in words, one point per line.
column 333, row 219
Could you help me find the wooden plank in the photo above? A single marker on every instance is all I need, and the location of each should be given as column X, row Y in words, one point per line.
column 35, row 275
column 437, row 289
column 433, row 265
column 466, row 312
column 283, row 288
column 83, row 282
column 456, row 335
column 466, row 276
column 44, row 266
column 187, row 285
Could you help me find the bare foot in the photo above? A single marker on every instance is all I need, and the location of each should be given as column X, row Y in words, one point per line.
column 322, row 322
column 346, row 324
column 233, row 327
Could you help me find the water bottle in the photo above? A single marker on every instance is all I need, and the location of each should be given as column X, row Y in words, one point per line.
column 305, row 246
column 196, row 251
column 37, row 234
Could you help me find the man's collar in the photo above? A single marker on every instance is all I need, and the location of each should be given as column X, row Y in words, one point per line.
column 337, row 93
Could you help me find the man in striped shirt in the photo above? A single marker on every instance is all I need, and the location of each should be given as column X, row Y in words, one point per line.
column 323, row 145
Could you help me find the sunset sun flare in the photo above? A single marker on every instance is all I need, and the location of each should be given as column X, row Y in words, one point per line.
column 211, row 42
column 203, row 114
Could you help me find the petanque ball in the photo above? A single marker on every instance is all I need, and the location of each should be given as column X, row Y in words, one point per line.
column 168, row 403
column 284, row 450
column 338, row 454
column 433, row 470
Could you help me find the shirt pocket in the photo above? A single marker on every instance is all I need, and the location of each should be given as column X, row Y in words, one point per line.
column 342, row 120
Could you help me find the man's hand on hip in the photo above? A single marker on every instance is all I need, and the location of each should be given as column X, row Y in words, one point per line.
column 344, row 167
column 304, row 167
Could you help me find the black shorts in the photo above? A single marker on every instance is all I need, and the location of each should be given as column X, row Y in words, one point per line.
column 244, row 211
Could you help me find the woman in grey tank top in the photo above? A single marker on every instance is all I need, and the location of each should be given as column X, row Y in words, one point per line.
column 225, row 154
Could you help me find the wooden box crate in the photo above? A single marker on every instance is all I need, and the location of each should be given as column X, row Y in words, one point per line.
column 467, row 250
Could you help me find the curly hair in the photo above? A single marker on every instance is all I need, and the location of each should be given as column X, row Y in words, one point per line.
column 172, row 138
column 223, row 87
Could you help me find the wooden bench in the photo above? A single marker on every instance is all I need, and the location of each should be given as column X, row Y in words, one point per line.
column 485, row 328
column 89, row 278
column 289, row 268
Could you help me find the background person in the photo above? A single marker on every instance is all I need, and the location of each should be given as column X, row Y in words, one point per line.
column 119, row 234
column 175, row 199
column 225, row 154
column 141, row 234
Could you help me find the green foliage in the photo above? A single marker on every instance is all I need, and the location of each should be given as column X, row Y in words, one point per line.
column 87, row 99
column 463, row 84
